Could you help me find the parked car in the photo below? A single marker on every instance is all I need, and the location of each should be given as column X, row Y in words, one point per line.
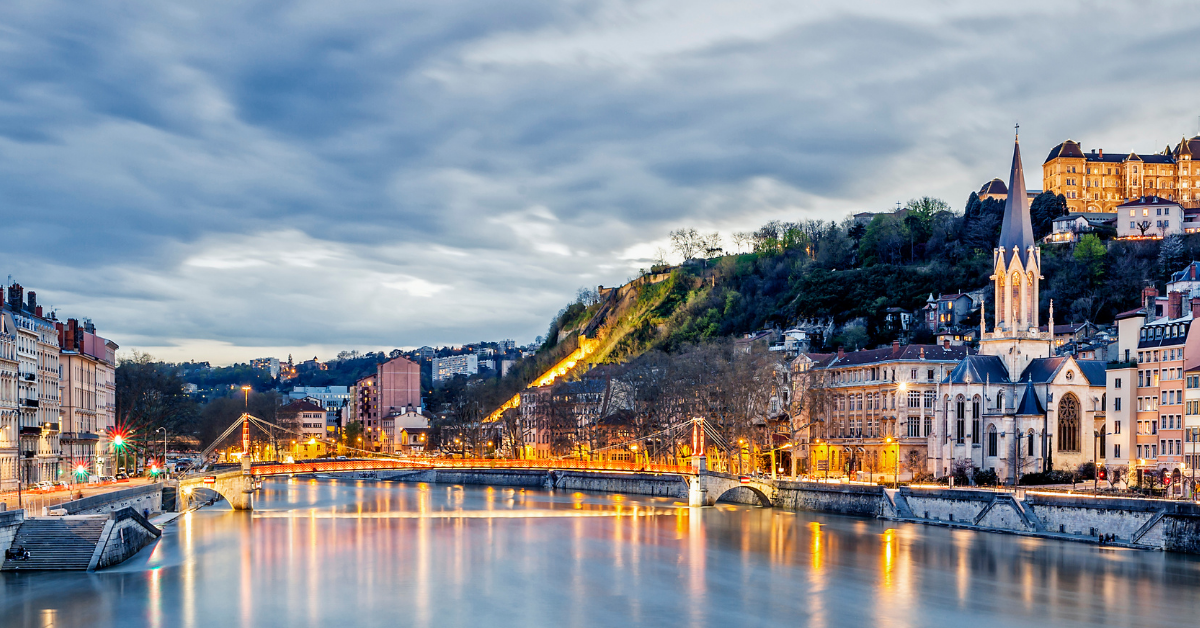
column 44, row 486
column 122, row 476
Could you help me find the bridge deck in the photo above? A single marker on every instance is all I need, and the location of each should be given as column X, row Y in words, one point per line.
column 326, row 466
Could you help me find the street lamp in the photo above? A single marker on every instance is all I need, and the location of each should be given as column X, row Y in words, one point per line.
column 246, row 390
column 775, row 465
column 896, row 478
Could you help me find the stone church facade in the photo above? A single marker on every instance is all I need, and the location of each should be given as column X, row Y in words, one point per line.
column 1016, row 408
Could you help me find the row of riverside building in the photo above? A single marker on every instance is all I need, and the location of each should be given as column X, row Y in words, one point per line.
column 57, row 395
column 1012, row 406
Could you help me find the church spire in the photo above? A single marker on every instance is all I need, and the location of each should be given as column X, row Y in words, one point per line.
column 1016, row 230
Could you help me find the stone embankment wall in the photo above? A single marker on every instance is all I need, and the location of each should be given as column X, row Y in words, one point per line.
column 127, row 533
column 842, row 499
column 139, row 498
column 632, row 483
column 10, row 521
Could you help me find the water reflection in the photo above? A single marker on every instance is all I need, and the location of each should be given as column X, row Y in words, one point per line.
column 363, row 554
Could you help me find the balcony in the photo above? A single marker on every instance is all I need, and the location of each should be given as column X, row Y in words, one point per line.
column 29, row 403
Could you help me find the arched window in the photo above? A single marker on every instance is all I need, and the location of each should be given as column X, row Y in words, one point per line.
column 1000, row 400
column 1029, row 444
column 993, row 441
column 1104, row 402
column 1016, row 299
column 975, row 433
column 1068, row 423
column 960, row 419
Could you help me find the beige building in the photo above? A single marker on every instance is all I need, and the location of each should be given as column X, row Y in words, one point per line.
column 88, row 399
column 9, row 410
column 1096, row 181
column 878, row 410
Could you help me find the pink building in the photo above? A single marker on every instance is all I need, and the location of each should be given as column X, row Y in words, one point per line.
column 394, row 388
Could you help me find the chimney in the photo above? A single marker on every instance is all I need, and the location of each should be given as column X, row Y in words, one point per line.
column 1196, row 307
column 16, row 296
column 37, row 310
column 1101, row 153
column 895, row 347
column 61, row 335
column 1174, row 305
column 72, row 324
column 32, row 301
column 1149, row 293
column 841, row 352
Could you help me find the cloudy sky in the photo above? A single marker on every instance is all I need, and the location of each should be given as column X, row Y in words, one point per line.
column 226, row 180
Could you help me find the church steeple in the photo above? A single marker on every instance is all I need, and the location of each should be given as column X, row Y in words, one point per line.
column 1018, row 262
column 1016, row 230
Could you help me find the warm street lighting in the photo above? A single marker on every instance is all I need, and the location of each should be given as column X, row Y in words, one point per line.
column 246, row 389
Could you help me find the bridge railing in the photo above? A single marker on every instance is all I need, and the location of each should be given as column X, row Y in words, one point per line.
column 325, row 466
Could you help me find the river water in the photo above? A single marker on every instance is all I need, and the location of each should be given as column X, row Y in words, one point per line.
column 336, row 553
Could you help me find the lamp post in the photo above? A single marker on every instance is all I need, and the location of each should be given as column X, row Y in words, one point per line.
column 246, row 390
column 896, row 477
column 775, row 465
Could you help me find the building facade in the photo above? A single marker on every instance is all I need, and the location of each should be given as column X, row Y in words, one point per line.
column 878, row 409
column 85, row 359
column 446, row 368
column 1149, row 217
column 395, row 387
column 1098, row 182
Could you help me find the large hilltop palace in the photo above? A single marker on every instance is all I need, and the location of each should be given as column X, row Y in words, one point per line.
column 1096, row 182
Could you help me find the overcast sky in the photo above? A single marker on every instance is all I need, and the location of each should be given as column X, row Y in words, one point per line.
column 227, row 180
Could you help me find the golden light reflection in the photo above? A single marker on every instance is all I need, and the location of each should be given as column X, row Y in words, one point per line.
column 889, row 556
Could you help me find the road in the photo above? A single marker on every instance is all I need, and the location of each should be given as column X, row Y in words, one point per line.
column 36, row 500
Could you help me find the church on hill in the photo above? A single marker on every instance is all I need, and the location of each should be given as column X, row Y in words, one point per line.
column 1015, row 407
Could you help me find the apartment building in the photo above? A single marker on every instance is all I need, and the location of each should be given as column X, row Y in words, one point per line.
column 395, row 387
column 446, row 368
column 88, row 409
column 877, row 411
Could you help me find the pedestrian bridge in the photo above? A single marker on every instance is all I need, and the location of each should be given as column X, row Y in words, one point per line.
column 704, row 488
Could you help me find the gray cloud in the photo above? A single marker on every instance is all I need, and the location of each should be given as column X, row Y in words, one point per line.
column 245, row 178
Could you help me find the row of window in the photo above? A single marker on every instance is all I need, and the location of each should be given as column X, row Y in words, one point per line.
column 1159, row 332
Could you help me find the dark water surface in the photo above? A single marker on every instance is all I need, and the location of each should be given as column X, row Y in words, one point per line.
column 330, row 553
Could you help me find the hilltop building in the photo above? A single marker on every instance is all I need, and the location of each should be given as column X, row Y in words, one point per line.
column 1097, row 182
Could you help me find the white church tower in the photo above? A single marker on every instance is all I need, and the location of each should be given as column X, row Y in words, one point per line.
column 1018, row 272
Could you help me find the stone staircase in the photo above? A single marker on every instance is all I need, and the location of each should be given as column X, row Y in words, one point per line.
column 57, row 543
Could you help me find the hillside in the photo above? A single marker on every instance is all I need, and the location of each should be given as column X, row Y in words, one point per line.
column 831, row 274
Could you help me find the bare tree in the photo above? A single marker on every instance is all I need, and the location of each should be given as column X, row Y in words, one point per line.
column 687, row 243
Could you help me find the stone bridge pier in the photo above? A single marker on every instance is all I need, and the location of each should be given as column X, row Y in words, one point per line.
column 235, row 487
column 709, row 487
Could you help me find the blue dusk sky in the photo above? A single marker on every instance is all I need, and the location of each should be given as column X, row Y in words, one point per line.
column 226, row 180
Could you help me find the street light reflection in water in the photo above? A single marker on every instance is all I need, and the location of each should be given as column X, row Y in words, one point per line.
column 385, row 554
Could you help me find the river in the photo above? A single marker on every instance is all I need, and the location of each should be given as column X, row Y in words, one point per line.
column 336, row 553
